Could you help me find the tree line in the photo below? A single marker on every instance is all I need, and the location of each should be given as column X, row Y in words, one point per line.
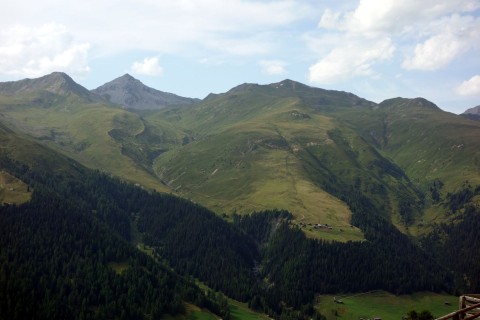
column 57, row 251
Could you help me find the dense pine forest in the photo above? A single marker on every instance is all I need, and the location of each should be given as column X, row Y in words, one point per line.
column 455, row 244
column 68, row 253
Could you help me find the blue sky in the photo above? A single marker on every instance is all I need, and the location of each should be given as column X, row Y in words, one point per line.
column 377, row 49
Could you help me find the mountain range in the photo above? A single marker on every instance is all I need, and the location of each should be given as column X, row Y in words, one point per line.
column 283, row 145
column 284, row 190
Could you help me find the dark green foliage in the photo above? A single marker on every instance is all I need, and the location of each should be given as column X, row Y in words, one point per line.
column 261, row 225
column 56, row 250
column 424, row 315
column 294, row 268
column 456, row 201
column 435, row 190
column 54, row 265
column 297, row 267
column 455, row 245
column 259, row 258
column 405, row 207
column 197, row 242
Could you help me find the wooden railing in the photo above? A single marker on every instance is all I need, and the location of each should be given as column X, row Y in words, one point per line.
column 469, row 309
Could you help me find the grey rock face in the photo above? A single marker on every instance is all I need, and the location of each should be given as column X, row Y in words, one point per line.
column 133, row 94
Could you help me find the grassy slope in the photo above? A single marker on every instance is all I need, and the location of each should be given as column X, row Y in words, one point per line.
column 259, row 147
column 18, row 147
column 13, row 190
column 244, row 158
column 81, row 131
column 385, row 305
column 428, row 143
column 278, row 146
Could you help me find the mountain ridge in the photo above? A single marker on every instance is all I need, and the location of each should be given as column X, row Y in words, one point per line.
column 474, row 110
column 472, row 113
column 57, row 83
column 284, row 144
column 133, row 94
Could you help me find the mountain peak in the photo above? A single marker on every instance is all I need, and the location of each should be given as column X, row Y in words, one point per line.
column 58, row 83
column 409, row 102
column 132, row 93
column 127, row 77
column 58, row 75
column 472, row 113
column 474, row 110
column 288, row 83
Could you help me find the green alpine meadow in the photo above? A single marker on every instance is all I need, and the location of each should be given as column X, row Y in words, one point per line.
column 265, row 201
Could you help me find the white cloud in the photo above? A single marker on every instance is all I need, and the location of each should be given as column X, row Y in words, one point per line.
column 450, row 37
column 148, row 67
column 354, row 59
column 387, row 16
column 470, row 87
column 429, row 34
column 31, row 52
column 273, row 67
column 188, row 26
column 434, row 53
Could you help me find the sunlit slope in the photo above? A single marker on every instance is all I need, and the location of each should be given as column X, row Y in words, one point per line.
column 252, row 165
column 428, row 143
column 80, row 129
column 16, row 148
column 280, row 146
column 439, row 151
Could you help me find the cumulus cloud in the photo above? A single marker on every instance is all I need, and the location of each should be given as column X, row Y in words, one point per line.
column 470, row 87
column 31, row 52
column 273, row 67
column 148, row 67
column 435, row 53
column 450, row 37
column 240, row 27
column 429, row 34
column 387, row 16
column 354, row 59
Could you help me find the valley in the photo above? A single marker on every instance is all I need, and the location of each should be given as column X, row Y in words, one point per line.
column 271, row 195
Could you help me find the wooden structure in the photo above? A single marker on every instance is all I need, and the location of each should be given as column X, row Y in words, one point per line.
column 469, row 309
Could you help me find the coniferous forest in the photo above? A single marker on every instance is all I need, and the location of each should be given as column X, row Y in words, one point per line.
column 70, row 253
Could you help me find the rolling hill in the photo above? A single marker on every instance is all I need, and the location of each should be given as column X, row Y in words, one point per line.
column 284, row 145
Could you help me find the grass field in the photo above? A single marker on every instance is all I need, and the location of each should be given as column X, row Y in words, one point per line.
column 192, row 312
column 13, row 190
column 240, row 311
column 384, row 305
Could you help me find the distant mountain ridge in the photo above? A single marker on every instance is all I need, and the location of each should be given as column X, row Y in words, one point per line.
column 280, row 145
column 57, row 83
column 133, row 94
column 472, row 113
column 474, row 110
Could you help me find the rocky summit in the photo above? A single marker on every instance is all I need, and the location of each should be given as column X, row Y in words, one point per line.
column 133, row 94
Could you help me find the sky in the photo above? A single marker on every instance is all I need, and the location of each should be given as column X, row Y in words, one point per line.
column 376, row 49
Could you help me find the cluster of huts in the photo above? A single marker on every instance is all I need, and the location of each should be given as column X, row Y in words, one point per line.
column 315, row 225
